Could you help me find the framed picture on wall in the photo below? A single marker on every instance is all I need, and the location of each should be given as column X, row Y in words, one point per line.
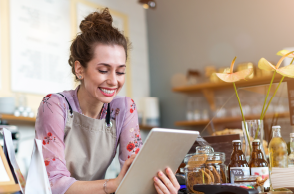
column 81, row 8
column 40, row 35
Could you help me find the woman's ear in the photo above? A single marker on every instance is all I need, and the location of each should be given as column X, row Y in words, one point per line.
column 79, row 70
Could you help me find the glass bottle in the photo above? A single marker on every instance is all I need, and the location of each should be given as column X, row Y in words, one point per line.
column 258, row 165
column 278, row 154
column 291, row 155
column 238, row 165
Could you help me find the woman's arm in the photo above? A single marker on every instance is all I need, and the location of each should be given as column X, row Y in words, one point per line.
column 130, row 138
column 49, row 128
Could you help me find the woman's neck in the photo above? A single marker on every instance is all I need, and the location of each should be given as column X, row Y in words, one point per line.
column 89, row 105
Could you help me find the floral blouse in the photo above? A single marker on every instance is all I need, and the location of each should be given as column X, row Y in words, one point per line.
column 50, row 124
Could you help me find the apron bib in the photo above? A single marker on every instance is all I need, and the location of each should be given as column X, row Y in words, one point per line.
column 89, row 145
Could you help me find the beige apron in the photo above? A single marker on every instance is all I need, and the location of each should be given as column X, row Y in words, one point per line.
column 89, row 146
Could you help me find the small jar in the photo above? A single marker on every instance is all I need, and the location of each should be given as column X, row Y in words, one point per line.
column 204, row 167
column 215, row 163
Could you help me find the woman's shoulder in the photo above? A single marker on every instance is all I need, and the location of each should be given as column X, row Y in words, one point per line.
column 122, row 102
column 58, row 99
column 123, row 105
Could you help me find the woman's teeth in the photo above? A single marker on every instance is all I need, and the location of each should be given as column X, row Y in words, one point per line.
column 107, row 91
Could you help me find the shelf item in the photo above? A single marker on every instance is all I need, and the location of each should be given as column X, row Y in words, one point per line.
column 221, row 85
column 229, row 119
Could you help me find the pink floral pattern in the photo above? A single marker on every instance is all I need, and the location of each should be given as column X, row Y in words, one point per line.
column 133, row 106
column 134, row 145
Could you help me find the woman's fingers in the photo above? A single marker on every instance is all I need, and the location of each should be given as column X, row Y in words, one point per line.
column 172, row 178
column 157, row 188
column 167, row 183
column 161, row 188
column 125, row 168
column 127, row 164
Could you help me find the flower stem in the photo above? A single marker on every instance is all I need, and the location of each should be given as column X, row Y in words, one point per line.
column 273, row 96
column 269, row 89
column 262, row 112
column 247, row 134
column 292, row 61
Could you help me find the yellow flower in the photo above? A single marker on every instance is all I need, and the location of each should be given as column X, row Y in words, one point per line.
column 284, row 52
column 287, row 71
column 234, row 77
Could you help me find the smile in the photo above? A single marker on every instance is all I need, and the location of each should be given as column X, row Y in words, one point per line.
column 107, row 92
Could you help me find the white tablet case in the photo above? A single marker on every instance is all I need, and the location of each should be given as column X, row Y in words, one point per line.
column 162, row 148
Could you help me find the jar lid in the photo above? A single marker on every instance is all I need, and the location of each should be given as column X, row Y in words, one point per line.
column 236, row 141
column 291, row 134
column 216, row 156
column 204, row 149
column 276, row 127
column 256, row 140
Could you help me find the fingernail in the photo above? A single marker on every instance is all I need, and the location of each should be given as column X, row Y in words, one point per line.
column 160, row 173
column 155, row 178
column 168, row 169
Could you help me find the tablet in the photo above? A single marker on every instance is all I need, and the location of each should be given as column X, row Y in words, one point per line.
column 162, row 148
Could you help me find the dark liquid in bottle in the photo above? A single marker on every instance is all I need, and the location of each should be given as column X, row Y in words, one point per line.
column 257, row 161
column 237, row 158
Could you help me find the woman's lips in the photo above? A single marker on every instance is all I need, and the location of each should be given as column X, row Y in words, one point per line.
column 107, row 92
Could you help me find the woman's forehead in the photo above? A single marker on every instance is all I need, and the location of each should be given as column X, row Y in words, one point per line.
column 109, row 54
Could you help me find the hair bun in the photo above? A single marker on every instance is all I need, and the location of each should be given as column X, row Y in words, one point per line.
column 96, row 21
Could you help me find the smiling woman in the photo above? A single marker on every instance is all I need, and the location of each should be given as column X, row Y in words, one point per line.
column 82, row 128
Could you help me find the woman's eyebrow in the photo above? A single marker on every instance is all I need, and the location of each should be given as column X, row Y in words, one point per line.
column 105, row 64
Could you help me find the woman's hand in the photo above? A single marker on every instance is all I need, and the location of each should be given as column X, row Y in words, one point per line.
column 124, row 169
column 166, row 184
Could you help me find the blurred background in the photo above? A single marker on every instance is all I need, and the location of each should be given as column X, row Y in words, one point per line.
column 177, row 47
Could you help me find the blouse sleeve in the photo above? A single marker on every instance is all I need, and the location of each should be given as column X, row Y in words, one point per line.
column 130, row 138
column 49, row 127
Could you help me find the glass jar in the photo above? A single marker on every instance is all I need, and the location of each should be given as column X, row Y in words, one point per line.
column 204, row 167
column 215, row 163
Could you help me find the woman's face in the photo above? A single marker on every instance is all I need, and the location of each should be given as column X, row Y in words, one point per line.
column 105, row 74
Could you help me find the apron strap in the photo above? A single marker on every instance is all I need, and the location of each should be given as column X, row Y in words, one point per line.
column 70, row 109
column 108, row 123
column 108, row 115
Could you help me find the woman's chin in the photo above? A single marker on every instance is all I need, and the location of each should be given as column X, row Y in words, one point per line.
column 105, row 99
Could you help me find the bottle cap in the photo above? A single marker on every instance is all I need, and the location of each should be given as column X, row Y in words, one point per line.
column 256, row 140
column 276, row 127
column 236, row 141
column 291, row 134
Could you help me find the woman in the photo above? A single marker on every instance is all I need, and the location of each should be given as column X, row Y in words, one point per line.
column 82, row 128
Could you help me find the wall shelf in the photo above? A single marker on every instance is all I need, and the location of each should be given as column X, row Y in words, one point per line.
column 10, row 117
column 230, row 119
column 221, row 85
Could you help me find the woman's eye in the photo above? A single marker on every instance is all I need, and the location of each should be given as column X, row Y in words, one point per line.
column 120, row 73
column 103, row 72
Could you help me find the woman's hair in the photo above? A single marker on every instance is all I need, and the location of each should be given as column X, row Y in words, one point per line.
column 95, row 28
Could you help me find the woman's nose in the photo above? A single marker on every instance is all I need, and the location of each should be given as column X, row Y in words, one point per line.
column 112, row 80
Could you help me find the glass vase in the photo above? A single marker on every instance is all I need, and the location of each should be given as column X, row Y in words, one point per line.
column 252, row 126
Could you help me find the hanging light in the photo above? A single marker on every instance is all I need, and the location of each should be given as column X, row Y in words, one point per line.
column 148, row 4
